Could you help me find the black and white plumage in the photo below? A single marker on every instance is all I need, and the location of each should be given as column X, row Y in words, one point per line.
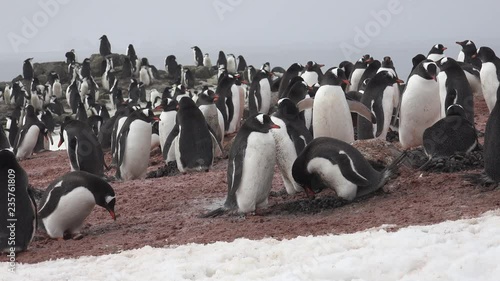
column 467, row 54
column 70, row 199
column 358, row 70
column 222, row 59
column 16, row 201
column 198, row 56
column 292, row 71
column 28, row 70
column 436, row 53
column 259, row 96
column 331, row 163
column 70, row 56
column 104, row 46
column 490, row 75
column 28, row 135
column 242, row 64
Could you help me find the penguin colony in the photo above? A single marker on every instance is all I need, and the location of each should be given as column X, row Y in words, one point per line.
column 302, row 119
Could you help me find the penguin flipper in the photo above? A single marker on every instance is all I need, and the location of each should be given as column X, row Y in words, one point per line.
column 169, row 141
column 348, row 170
column 362, row 110
column 305, row 104
column 73, row 157
column 379, row 113
column 216, row 142
column 234, row 174
column 230, row 110
column 121, row 147
column 252, row 105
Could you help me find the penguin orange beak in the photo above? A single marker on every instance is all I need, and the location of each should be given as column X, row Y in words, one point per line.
column 60, row 143
column 346, row 82
column 156, row 118
column 474, row 56
column 399, row 81
column 157, row 108
column 434, row 77
column 444, row 49
column 112, row 213
column 244, row 82
column 321, row 65
column 309, row 192
column 274, row 126
column 216, row 98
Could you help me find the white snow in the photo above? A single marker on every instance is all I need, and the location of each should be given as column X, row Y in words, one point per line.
column 460, row 250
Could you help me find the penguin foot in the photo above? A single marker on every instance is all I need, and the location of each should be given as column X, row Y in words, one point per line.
column 77, row 236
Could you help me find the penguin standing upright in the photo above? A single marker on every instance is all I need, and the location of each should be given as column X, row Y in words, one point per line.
column 18, row 221
column 225, row 101
column 133, row 146
column 73, row 96
column 70, row 56
column 198, row 56
column 250, row 167
column 207, row 62
column 19, row 94
column 144, row 75
column 357, row 72
column 421, row 104
column 222, row 60
column 105, row 46
column 490, row 75
column 172, row 68
column 134, row 60
column 188, row 78
column 231, row 65
column 242, row 64
column 436, row 53
column 381, row 98
column 28, row 134
column 467, row 53
column 454, row 88
column 332, row 163
column 108, row 76
column 167, row 119
column 294, row 70
column 28, row 71
column 70, row 199
column 312, row 73
column 206, row 103
column 249, row 74
column 492, row 142
column 84, row 150
column 191, row 142
column 369, row 73
column 7, row 94
column 331, row 109
column 85, row 71
column 11, row 129
column 291, row 138
column 259, row 96
column 238, row 100
column 347, row 67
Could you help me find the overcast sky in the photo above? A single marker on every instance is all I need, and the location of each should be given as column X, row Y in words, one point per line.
column 278, row 31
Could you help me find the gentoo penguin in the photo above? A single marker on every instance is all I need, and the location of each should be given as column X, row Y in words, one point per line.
column 95, row 122
column 347, row 67
column 69, row 200
column 198, row 56
column 73, row 96
column 225, row 101
column 7, row 94
column 84, row 150
column 144, row 75
column 90, row 87
column 188, row 78
column 116, row 95
column 28, row 71
column 108, row 77
column 332, row 163
column 249, row 74
column 172, row 68
column 291, row 138
column 127, row 69
column 134, row 145
column 207, row 61
column 167, row 119
column 81, row 113
column 259, row 96
column 134, row 60
column 382, row 99
column 18, row 220
column 452, row 134
column 416, row 60
column 436, row 53
column 454, row 88
column 85, row 68
column 19, row 94
column 266, row 66
column 191, row 143
column 490, row 75
column 421, row 104
column 134, row 94
column 105, row 46
column 55, row 106
column 70, row 56
column 221, row 60
column 492, row 141
column 28, row 134
column 312, row 73
column 180, row 91
column 331, row 110
column 297, row 91
column 469, row 49
column 11, row 128
column 206, row 103
column 238, row 100
column 369, row 72
column 357, row 72
column 250, row 167
column 294, row 70
column 242, row 64
column 231, row 65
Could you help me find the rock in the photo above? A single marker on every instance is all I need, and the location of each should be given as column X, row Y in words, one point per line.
column 42, row 71
column 378, row 152
column 201, row 72
column 96, row 61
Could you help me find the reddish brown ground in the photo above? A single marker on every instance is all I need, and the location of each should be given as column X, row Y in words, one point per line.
column 163, row 211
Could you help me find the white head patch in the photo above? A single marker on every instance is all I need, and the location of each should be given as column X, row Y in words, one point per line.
column 260, row 118
column 335, row 72
column 109, row 198
column 444, row 60
column 469, row 43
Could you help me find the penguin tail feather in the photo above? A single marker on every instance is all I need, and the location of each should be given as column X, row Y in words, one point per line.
column 391, row 169
column 215, row 213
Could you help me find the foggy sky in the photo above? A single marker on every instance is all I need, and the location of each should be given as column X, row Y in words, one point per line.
column 278, row 31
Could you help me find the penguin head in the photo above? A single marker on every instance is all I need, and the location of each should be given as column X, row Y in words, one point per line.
column 105, row 197
column 387, row 62
column 207, row 97
column 296, row 67
column 287, row 108
column 261, row 123
column 438, row 49
column 366, row 59
column 416, row 60
column 266, row 66
column 447, row 63
column 334, row 77
column 428, row 69
column 206, row 55
column 485, row 54
column 103, row 37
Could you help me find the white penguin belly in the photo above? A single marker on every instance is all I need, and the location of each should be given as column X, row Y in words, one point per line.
column 461, row 56
column 489, row 83
column 285, row 155
column 26, row 147
column 355, row 78
column 435, row 57
column 57, row 90
column 442, row 77
column 233, row 125
column 389, row 102
column 231, row 65
column 167, row 123
column 331, row 114
column 257, row 174
column 136, row 156
column 475, row 83
column 210, row 113
column 265, row 94
column 310, row 77
column 420, row 109
column 144, row 76
column 332, row 177
column 70, row 212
